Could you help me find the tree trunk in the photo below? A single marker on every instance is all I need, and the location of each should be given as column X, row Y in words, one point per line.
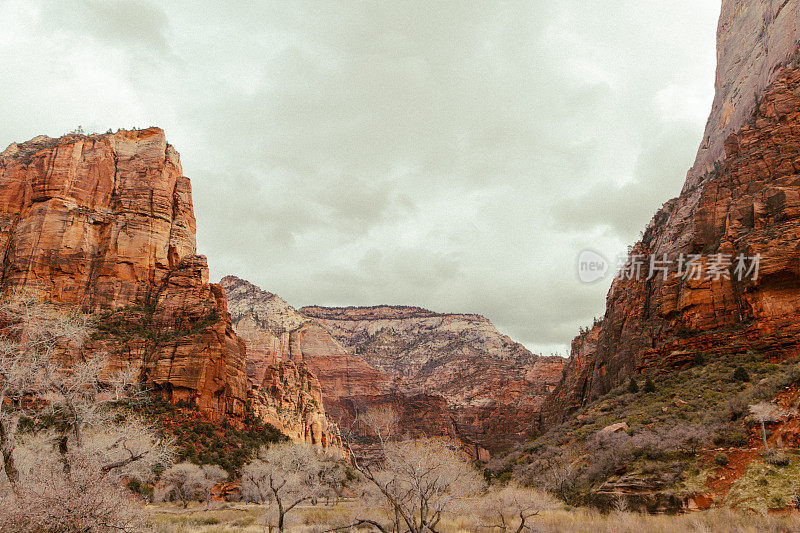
column 63, row 448
column 521, row 522
column 764, row 435
column 11, row 470
column 281, row 514
column 7, row 450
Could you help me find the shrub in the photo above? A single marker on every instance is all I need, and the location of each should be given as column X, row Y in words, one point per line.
column 731, row 438
column 741, row 374
column 721, row 459
column 633, row 387
column 504, row 477
column 776, row 458
column 649, row 386
column 736, row 408
column 145, row 491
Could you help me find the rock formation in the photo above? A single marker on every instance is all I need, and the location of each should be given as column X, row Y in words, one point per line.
column 106, row 222
column 289, row 397
column 493, row 386
column 742, row 196
column 278, row 336
column 451, row 375
column 283, row 385
column 278, row 333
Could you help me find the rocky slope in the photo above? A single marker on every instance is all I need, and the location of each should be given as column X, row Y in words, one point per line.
column 740, row 197
column 106, row 222
column 289, row 397
column 493, row 385
column 282, row 381
column 278, row 333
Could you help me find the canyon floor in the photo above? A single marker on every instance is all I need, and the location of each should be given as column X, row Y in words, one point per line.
column 247, row 518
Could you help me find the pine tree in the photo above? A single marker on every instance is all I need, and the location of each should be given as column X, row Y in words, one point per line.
column 633, row 387
column 649, row 386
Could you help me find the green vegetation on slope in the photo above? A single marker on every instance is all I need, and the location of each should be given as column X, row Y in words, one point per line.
column 764, row 487
column 202, row 442
column 662, row 431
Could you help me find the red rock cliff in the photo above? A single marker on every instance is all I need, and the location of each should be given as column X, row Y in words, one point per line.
column 741, row 197
column 106, row 222
column 350, row 386
column 493, row 386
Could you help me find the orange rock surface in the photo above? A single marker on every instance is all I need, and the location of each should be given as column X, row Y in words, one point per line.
column 106, row 222
column 743, row 201
column 350, row 386
column 493, row 386
column 290, row 398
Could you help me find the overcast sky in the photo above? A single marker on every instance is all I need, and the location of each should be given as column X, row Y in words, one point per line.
column 452, row 155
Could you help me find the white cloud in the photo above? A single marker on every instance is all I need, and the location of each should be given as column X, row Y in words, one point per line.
column 682, row 103
column 456, row 156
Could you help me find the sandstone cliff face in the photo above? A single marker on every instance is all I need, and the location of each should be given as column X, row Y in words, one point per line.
column 96, row 221
column 443, row 375
column 741, row 197
column 753, row 38
column 278, row 333
column 106, row 222
column 286, row 357
column 289, row 397
column 494, row 387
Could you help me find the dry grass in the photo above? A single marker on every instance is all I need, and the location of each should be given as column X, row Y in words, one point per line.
column 584, row 521
column 170, row 518
column 245, row 518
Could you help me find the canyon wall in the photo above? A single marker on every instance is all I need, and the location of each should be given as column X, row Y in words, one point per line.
column 493, row 386
column 105, row 222
column 437, row 374
column 741, row 197
column 283, row 385
column 279, row 335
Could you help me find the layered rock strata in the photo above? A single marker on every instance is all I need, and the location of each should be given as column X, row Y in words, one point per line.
column 105, row 222
column 493, row 386
column 280, row 339
column 742, row 197
column 289, row 397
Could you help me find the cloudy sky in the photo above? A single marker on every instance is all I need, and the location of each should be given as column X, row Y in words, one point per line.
column 452, row 155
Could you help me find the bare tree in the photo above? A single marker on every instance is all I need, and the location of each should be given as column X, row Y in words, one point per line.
column 212, row 475
column 286, row 474
column 69, row 488
column 763, row 412
column 381, row 420
column 333, row 476
column 48, row 498
column 688, row 438
column 31, row 335
column 182, row 481
column 71, row 417
column 420, row 481
column 509, row 508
